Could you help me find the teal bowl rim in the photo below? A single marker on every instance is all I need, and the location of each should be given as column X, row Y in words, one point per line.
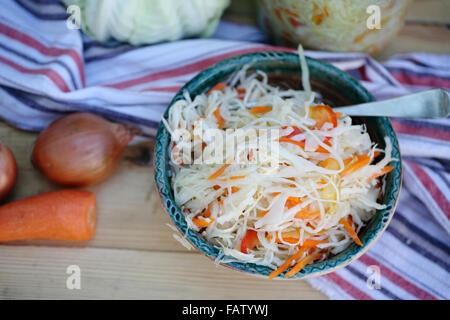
column 370, row 234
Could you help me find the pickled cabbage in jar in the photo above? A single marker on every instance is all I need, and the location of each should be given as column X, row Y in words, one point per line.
column 333, row 25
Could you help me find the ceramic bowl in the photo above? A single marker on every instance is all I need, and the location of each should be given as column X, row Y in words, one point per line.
column 337, row 89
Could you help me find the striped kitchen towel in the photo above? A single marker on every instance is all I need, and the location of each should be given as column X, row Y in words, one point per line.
column 47, row 70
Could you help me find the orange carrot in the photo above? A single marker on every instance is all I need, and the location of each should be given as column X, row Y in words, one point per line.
column 382, row 172
column 202, row 223
column 262, row 214
column 241, row 91
column 307, row 213
column 350, row 231
column 218, row 87
column 318, row 18
column 234, row 189
column 220, row 120
column 207, row 212
column 307, row 244
column 294, row 132
column 278, row 14
column 274, row 194
column 302, row 263
column 360, row 162
column 288, row 262
column 237, row 177
column 220, row 171
column 60, row 215
column 363, row 35
column 347, row 161
column 292, row 202
column 291, row 13
column 260, row 109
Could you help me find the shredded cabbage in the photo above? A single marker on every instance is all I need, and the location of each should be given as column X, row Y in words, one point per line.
column 305, row 197
column 144, row 22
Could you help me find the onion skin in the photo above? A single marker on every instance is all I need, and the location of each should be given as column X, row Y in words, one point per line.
column 8, row 171
column 80, row 149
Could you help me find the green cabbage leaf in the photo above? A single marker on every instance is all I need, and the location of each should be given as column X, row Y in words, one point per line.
column 149, row 21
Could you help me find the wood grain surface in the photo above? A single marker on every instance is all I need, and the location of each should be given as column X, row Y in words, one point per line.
column 133, row 254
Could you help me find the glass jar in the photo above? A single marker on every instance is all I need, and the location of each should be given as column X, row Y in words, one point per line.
column 333, row 25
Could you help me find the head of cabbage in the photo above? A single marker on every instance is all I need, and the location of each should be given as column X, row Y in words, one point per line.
column 148, row 21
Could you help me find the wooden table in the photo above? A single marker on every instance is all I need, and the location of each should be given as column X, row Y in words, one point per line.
column 133, row 254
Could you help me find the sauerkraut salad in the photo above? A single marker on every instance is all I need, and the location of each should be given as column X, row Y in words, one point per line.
column 311, row 205
column 334, row 25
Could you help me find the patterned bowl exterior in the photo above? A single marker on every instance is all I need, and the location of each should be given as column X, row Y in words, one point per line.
column 337, row 88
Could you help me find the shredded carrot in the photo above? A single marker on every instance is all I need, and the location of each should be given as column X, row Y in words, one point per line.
column 220, row 171
column 307, row 213
column 220, row 120
column 295, row 132
column 288, row 240
column 278, row 14
column 339, row 114
column 295, row 23
column 288, row 262
column 234, row 189
column 262, row 214
column 302, row 263
column 363, row 35
column 292, row 202
column 260, row 109
column 308, row 243
column 318, row 18
column 218, row 87
column 302, row 144
column 207, row 212
column 241, row 93
column 201, row 223
column 237, row 177
column 291, row 13
column 382, row 172
column 362, row 161
column 294, row 240
column 216, row 187
column 350, row 231
column 274, row 194
column 325, row 9
column 347, row 161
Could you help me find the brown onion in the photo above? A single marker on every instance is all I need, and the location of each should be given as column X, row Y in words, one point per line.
column 80, row 149
column 8, row 171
